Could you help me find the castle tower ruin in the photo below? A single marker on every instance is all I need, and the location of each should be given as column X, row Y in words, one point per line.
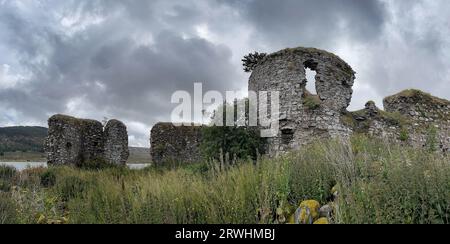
column 303, row 116
column 73, row 141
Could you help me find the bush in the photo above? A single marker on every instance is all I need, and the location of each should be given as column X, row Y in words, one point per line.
column 231, row 142
column 48, row 178
column 234, row 143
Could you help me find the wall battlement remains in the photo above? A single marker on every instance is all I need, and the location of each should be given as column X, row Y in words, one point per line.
column 73, row 141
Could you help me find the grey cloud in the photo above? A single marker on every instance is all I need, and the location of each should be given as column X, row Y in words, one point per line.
column 313, row 23
column 414, row 51
column 108, row 70
column 129, row 63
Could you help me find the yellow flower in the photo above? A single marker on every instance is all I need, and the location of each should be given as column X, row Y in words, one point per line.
column 322, row 221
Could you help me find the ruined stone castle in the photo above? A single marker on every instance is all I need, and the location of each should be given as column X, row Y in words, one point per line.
column 411, row 117
column 73, row 141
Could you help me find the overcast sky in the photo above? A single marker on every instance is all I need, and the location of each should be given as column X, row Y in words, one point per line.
column 123, row 59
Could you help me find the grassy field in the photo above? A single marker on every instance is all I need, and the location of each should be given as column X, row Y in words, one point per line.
column 377, row 183
column 138, row 155
column 22, row 157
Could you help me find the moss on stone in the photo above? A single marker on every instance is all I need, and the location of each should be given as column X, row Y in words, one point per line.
column 313, row 52
column 418, row 95
column 309, row 211
column 73, row 121
column 361, row 120
column 358, row 121
column 394, row 118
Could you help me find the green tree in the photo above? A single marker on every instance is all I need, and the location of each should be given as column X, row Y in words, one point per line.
column 234, row 142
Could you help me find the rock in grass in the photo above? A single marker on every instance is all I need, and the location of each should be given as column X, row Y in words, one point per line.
column 335, row 191
column 322, row 221
column 308, row 212
column 325, row 211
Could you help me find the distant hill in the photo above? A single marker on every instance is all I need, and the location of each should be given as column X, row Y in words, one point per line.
column 139, row 155
column 22, row 138
column 30, row 139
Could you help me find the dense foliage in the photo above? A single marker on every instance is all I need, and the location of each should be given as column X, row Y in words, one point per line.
column 231, row 142
column 251, row 60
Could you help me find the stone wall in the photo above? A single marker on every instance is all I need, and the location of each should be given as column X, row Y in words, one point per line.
column 171, row 143
column 116, row 142
column 305, row 117
column 411, row 117
column 73, row 141
column 428, row 117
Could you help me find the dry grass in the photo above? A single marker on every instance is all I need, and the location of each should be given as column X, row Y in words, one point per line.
column 378, row 182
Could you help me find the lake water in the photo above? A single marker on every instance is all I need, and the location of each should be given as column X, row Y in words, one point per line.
column 24, row 165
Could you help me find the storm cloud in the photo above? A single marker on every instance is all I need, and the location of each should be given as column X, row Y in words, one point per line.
column 124, row 59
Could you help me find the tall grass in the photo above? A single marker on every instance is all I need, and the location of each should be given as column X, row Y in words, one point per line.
column 242, row 194
column 378, row 183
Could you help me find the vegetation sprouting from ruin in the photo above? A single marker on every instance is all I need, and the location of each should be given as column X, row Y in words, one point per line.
column 251, row 60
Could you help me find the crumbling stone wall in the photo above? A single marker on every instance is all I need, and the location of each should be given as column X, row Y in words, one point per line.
column 305, row 117
column 171, row 143
column 116, row 142
column 73, row 141
column 411, row 117
column 428, row 116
